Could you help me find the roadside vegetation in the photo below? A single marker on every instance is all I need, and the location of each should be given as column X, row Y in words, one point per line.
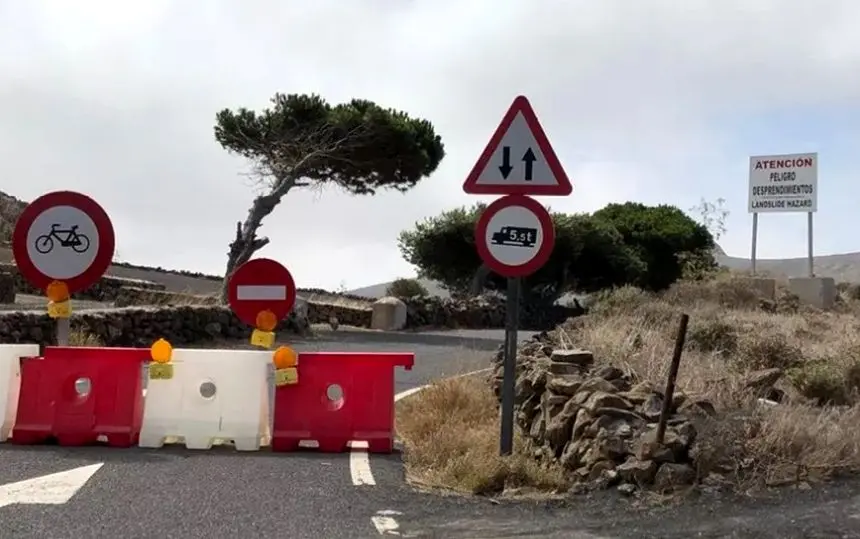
column 620, row 244
column 798, row 427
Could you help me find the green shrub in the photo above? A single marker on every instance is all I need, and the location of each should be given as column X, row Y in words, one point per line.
column 406, row 288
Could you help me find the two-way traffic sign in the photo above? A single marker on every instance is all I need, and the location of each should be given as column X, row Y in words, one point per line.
column 518, row 159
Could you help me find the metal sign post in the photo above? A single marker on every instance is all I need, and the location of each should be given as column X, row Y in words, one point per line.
column 514, row 235
column 506, row 445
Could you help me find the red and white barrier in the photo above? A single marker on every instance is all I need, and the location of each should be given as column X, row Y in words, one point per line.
column 214, row 395
column 10, row 382
column 80, row 396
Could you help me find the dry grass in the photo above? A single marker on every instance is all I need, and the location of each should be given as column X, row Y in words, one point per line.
column 451, row 430
column 79, row 337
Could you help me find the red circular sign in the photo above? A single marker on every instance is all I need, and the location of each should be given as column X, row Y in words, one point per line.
column 258, row 285
column 515, row 236
column 63, row 236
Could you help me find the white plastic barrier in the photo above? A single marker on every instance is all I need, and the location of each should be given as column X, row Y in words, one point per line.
column 214, row 395
column 10, row 383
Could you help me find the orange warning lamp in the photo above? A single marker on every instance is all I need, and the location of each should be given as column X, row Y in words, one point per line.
column 57, row 291
column 161, row 351
column 266, row 320
column 285, row 357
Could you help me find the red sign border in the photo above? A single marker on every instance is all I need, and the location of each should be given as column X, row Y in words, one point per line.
column 544, row 251
column 281, row 308
column 107, row 239
column 563, row 187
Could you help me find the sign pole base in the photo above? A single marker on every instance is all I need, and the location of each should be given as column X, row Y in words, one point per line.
column 64, row 328
column 510, row 367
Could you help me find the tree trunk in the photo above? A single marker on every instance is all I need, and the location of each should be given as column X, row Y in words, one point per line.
column 246, row 243
column 478, row 280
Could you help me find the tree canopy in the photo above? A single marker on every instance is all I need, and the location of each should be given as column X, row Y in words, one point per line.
column 303, row 141
column 658, row 234
column 621, row 244
column 359, row 145
column 406, row 288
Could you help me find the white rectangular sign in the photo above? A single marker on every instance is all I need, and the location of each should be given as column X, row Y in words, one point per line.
column 261, row 292
column 784, row 183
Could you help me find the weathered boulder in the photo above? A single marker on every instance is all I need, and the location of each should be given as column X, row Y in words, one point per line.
column 388, row 314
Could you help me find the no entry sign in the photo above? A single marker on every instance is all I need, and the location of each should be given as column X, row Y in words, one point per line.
column 259, row 285
column 63, row 236
column 515, row 236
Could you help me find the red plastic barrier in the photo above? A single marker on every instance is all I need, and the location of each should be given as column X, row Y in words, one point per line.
column 50, row 406
column 365, row 411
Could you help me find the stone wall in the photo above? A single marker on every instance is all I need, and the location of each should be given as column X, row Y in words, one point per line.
column 356, row 315
column 482, row 312
column 7, row 288
column 485, row 312
column 106, row 289
column 132, row 295
column 138, row 326
column 349, row 313
column 598, row 423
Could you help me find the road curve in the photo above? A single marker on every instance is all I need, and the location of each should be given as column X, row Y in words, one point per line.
column 221, row 493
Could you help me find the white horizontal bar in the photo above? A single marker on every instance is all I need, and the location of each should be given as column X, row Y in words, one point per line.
column 261, row 292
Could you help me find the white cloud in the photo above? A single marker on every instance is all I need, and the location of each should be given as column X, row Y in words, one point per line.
column 118, row 100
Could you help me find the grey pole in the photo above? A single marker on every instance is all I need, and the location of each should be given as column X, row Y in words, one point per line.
column 510, row 371
column 754, row 241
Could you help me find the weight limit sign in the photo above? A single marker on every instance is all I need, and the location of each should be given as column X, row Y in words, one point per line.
column 515, row 236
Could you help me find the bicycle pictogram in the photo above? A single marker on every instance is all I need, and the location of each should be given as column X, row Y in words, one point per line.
column 67, row 237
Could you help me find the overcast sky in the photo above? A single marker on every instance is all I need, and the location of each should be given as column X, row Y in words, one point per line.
column 647, row 100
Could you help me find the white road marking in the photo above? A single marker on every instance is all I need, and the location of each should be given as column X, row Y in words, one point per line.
column 52, row 489
column 254, row 292
column 359, row 465
column 404, row 394
column 385, row 524
column 414, row 390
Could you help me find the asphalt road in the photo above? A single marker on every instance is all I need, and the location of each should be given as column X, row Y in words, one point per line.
column 221, row 493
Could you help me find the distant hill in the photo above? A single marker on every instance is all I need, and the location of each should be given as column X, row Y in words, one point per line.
column 842, row 267
column 10, row 209
column 378, row 290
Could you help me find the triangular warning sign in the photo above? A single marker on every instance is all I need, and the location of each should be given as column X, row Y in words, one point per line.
column 518, row 159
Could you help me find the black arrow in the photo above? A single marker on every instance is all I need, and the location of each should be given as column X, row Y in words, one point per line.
column 506, row 167
column 529, row 159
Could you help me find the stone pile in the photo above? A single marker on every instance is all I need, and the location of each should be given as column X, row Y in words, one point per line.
column 598, row 422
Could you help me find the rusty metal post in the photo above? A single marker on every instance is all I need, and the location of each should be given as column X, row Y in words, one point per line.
column 669, row 394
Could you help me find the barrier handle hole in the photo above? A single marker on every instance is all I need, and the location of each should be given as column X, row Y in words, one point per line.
column 83, row 387
column 208, row 390
column 334, row 397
